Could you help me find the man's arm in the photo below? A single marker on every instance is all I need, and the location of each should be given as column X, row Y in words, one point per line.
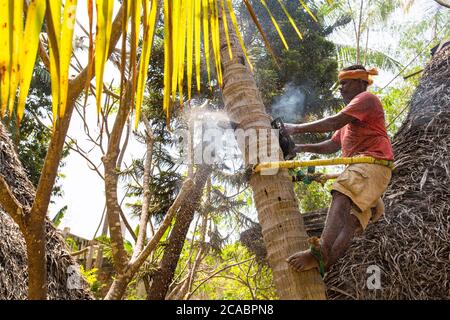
column 325, row 147
column 328, row 124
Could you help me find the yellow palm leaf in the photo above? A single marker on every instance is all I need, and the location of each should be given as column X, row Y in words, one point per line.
column 236, row 28
column 197, row 31
column 68, row 24
column 215, row 37
column 54, row 35
column 90, row 10
column 104, row 23
column 190, row 42
column 261, row 31
column 33, row 24
column 225, row 26
column 205, row 17
column 135, row 27
column 275, row 24
column 168, row 51
column 174, row 30
column 182, row 48
column 123, row 55
column 291, row 20
column 309, row 11
column 145, row 57
column 5, row 53
column 16, row 50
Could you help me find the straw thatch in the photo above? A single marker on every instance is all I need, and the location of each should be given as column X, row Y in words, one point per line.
column 411, row 245
column 13, row 257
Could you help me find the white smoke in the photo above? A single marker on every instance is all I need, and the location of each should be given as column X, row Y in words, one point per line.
column 290, row 105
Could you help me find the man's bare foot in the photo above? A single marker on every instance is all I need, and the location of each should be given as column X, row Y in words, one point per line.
column 302, row 261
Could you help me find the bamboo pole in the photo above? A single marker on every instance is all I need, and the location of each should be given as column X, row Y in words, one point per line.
column 291, row 164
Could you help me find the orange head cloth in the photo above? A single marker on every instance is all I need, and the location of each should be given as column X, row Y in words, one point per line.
column 359, row 74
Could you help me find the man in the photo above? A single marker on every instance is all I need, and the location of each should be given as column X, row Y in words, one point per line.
column 360, row 131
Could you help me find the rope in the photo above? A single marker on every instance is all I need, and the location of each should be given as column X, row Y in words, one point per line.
column 318, row 256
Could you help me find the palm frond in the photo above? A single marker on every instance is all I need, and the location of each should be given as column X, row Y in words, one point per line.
column 182, row 34
column 347, row 55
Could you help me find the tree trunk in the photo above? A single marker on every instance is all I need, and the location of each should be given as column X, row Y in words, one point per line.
column 118, row 287
column 163, row 277
column 185, row 292
column 282, row 225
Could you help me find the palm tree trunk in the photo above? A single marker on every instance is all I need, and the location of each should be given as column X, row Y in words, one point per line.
column 164, row 276
column 282, row 225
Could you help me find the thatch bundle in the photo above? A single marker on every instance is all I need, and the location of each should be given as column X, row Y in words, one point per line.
column 13, row 257
column 411, row 244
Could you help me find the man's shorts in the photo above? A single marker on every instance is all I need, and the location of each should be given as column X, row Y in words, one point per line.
column 364, row 184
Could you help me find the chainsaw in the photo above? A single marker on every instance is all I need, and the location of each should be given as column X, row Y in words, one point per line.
column 287, row 145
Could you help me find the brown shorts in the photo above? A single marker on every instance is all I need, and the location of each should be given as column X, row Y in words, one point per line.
column 364, row 184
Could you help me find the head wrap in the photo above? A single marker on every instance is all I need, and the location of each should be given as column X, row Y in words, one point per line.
column 365, row 75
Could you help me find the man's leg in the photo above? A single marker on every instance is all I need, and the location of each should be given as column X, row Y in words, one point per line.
column 340, row 207
column 343, row 240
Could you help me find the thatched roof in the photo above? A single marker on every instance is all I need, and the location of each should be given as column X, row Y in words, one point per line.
column 13, row 257
column 411, row 245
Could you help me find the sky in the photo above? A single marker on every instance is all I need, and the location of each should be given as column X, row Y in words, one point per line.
column 84, row 189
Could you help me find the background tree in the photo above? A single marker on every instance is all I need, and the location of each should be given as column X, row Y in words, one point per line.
column 299, row 82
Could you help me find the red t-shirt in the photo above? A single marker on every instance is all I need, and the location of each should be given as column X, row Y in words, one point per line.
column 367, row 134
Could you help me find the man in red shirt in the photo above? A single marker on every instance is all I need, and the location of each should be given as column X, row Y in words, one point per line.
column 359, row 131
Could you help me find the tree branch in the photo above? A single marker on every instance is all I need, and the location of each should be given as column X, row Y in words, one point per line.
column 146, row 189
column 125, row 144
column 182, row 195
column 111, row 180
column 445, row 3
column 219, row 271
column 9, row 202
column 127, row 225
column 119, row 285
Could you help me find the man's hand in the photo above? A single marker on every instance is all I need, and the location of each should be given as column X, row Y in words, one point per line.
column 290, row 128
column 325, row 147
column 324, row 125
column 299, row 148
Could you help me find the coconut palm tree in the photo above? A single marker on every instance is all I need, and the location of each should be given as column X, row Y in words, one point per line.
column 282, row 226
